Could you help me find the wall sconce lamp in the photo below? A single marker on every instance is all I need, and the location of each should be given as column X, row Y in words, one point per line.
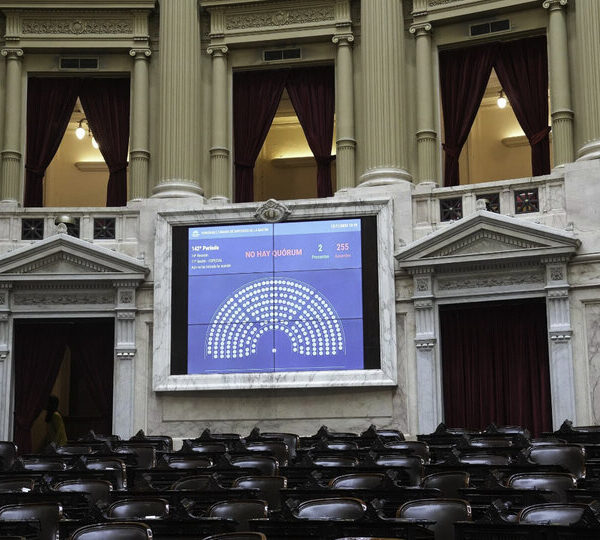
column 502, row 101
column 80, row 132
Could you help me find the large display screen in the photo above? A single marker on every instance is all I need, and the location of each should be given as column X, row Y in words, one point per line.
column 272, row 297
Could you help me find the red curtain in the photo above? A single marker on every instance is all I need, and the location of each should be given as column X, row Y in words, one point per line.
column 256, row 96
column 312, row 93
column 37, row 359
column 522, row 67
column 92, row 346
column 50, row 102
column 464, row 74
column 495, row 365
column 106, row 106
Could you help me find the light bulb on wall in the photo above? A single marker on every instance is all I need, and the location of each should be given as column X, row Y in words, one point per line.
column 502, row 101
column 80, row 131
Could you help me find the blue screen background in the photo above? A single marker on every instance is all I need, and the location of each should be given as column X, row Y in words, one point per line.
column 275, row 297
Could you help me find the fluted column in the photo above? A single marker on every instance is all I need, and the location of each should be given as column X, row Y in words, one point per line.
column 385, row 155
column 180, row 93
column 560, row 90
column 139, row 155
column 345, row 142
column 588, row 21
column 219, row 151
column 426, row 134
column 11, row 151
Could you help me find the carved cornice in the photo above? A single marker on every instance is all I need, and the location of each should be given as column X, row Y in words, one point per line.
column 483, row 282
column 278, row 15
column 58, row 299
column 60, row 257
column 77, row 25
column 485, row 235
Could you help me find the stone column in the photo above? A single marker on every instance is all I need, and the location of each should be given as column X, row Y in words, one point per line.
column 385, row 154
column 219, row 151
column 560, row 89
column 426, row 135
column 11, row 151
column 588, row 21
column 562, row 379
column 345, row 143
column 139, row 155
column 5, row 364
column 429, row 392
column 180, row 94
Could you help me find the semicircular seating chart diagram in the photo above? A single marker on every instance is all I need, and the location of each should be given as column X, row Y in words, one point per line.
column 293, row 307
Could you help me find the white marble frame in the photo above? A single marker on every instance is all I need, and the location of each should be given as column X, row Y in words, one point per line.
column 381, row 207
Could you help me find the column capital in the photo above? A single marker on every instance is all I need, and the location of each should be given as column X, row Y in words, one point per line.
column 343, row 39
column 140, row 54
column 217, row 50
column 420, row 29
column 553, row 5
column 13, row 54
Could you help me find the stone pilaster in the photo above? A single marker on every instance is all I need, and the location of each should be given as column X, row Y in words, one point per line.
column 219, row 151
column 139, row 155
column 11, row 150
column 560, row 90
column 426, row 135
column 345, row 142
column 588, row 21
column 180, row 94
column 385, row 154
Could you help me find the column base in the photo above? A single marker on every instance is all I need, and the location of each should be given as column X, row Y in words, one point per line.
column 218, row 200
column 589, row 151
column 176, row 189
column 384, row 176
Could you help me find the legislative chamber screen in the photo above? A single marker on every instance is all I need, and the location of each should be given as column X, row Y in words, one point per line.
column 293, row 296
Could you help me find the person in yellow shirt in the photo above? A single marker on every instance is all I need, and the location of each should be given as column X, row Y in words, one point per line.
column 55, row 427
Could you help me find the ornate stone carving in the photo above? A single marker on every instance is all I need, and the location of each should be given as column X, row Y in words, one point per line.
column 560, row 337
column 77, row 26
column 2, row 298
column 490, row 281
column 424, row 344
column 125, row 297
column 126, row 354
column 434, row 3
column 558, row 293
column 217, row 50
column 485, row 240
column 50, row 299
column 280, row 17
column 422, row 284
column 272, row 211
column 62, row 257
column 343, row 39
column 126, row 315
column 423, row 304
column 555, row 4
column 140, row 53
column 556, row 273
column 420, row 28
column 13, row 53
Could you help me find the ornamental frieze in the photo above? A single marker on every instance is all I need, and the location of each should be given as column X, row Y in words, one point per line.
column 279, row 17
column 490, row 281
column 49, row 299
column 77, row 26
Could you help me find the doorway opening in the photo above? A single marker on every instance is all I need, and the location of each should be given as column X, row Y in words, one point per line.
column 495, row 365
column 72, row 359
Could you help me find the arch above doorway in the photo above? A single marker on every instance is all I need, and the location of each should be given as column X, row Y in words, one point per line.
column 482, row 258
column 65, row 277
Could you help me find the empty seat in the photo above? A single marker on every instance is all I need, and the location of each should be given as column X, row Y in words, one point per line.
column 265, row 464
column 16, row 485
column 269, row 487
column 240, row 511
column 48, row 514
column 114, row 467
column 445, row 512
column 204, row 447
column 291, row 439
column 415, row 448
column 188, row 462
column 145, row 454
column 113, row 531
column 569, row 456
column 74, row 450
column 341, row 446
column 448, row 482
column 238, row 536
column 358, row 481
column 335, row 461
column 8, row 455
column 413, row 465
column 348, row 508
column 96, row 489
column 199, row 482
column 558, row 483
column 162, row 443
column 553, row 513
column 278, row 449
column 145, row 508
column 485, row 459
column 491, row 442
column 44, row 464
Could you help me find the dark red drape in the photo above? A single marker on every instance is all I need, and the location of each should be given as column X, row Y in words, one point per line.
column 522, row 68
column 106, row 106
column 38, row 355
column 495, row 365
column 50, row 102
column 312, row 93
column 92, row 346
column 464, row 74
column 256, row 95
